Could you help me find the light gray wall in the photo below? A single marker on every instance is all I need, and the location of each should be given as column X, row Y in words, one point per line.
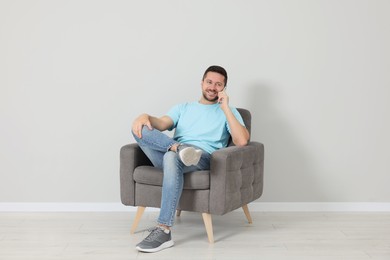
column 74, row 74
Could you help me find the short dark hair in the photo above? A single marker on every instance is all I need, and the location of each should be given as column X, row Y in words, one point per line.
column 217, row 69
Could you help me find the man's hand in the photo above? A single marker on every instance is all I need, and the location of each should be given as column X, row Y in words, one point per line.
column 139, row 122
column 223, row 99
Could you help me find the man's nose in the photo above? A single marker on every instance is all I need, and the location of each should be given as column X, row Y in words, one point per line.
column 214, row 86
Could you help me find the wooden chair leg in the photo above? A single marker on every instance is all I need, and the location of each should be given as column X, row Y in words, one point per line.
column 138, row 215
column 247, row 214
column 178, row 212
column 209, row 226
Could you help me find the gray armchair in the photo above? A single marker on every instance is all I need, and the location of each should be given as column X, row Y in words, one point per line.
column 235, row 179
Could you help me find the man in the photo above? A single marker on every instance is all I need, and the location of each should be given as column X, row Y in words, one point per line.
column 200, row 128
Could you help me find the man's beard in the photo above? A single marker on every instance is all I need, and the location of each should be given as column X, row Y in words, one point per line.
column 208, row 99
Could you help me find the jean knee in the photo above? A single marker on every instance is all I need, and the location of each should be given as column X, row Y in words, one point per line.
column 171, row 162
column 170, row 158
column 145, row 131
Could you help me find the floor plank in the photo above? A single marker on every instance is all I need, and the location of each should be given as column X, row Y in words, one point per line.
column 273, row 235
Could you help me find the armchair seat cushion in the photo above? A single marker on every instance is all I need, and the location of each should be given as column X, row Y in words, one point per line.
column 198, row 180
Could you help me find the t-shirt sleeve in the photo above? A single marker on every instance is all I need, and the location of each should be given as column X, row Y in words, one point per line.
column 174, row 114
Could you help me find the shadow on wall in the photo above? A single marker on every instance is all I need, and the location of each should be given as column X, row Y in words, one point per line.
column 289, row 174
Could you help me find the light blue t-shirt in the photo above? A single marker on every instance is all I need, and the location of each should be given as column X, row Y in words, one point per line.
column 204, row 126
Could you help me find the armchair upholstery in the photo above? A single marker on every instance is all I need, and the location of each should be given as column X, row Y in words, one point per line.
column 235, row 179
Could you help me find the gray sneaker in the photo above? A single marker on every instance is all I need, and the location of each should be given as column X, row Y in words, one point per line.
column 158, row 239
column 190, row 156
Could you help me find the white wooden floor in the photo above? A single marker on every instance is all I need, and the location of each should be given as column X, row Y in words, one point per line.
column 274, row 235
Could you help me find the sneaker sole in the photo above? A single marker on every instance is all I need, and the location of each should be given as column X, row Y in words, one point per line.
column 165, row 245
column 190, row 156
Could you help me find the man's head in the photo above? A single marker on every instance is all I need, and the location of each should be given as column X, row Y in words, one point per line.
column 214, row 80
column 217, row 69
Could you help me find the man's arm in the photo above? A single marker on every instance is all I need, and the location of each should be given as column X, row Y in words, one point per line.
column 163, row 123
column 239, row 133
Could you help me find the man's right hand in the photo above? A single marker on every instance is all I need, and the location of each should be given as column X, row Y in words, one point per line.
column 139, row 122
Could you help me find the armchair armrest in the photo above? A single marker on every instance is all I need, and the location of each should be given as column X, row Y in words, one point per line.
column 131, row 156
column 236, row 177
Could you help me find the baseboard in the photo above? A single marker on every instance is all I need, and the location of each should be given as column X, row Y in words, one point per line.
column 254, row 207
column 64, row 207
column 320, row 206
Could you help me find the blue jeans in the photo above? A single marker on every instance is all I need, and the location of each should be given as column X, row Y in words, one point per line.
column 156, row 145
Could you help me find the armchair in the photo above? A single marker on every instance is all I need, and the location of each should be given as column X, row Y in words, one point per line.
column 234, row 180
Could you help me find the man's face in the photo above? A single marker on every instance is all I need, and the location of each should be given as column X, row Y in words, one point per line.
column 211, row 85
